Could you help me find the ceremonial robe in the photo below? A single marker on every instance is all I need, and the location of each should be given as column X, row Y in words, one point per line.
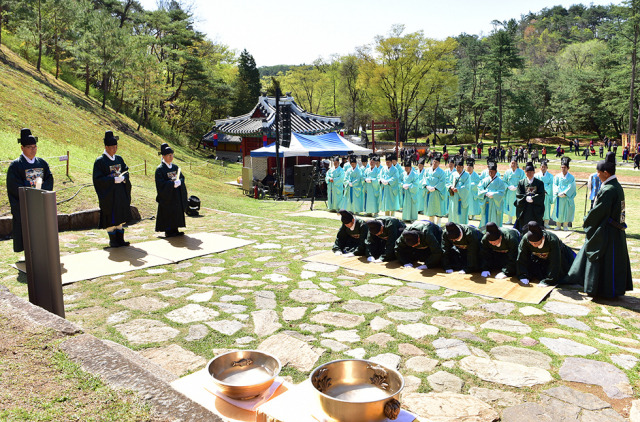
column 549, row 264
column 463, row 254
column 172, row 201
column 547, row 179
column 602, row 265
column 353, row 193
column 428, row 249
column 459, row 201
column 420, row 193
column 410, row 205
column 529, row 211
column 382, row 246
column 114, row 198
column 491, row 208
column 565, row 207
column 335, row 188
column 435, row 203
column 448, row 173
column 352, row 241
column 400, row 169
column 388, row 178
column 371, row 190
column 503, row 258
column 21, row 173
column 511, row 179
column 472, row 199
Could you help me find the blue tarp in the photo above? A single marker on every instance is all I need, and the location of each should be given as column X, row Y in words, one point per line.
column 313, row 146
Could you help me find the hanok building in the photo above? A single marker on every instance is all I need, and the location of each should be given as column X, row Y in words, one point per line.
column 257, row 129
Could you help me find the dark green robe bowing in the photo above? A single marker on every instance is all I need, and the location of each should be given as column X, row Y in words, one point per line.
column 503, row 257
column 352, row 241
column 114, row 198
column 549, row 263
column 382, row 246
column 463, row 254
column 172, row 201
column 602, row 264
column 23, row 174
column 427, row 250
column 526, row 211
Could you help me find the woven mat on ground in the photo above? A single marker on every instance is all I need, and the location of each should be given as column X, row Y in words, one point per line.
column 109, row 261
column 508, row 289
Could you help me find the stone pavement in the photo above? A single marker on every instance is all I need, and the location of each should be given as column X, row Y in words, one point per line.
column 464, row 357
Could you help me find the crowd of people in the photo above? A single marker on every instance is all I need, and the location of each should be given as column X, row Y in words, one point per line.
column 111, row 181
column 457, row 192
column 526, row 251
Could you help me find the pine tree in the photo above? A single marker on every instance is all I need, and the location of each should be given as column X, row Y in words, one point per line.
column 247, row 84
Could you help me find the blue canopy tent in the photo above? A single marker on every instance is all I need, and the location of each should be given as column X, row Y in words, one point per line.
column 313, row 146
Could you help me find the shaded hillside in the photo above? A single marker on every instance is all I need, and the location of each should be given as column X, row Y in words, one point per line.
column 66, row 120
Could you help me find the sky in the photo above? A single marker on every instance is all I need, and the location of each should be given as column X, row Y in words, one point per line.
column 298, row 31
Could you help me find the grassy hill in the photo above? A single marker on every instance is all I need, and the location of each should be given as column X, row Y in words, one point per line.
column 65, row 120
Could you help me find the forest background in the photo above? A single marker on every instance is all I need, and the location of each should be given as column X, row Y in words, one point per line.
column 554, row 72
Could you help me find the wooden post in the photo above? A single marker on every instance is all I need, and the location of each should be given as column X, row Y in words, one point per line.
column 68, row 163
column 145, row 166
column 373, row 136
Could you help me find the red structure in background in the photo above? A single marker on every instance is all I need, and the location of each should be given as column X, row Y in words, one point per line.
column 395, row 125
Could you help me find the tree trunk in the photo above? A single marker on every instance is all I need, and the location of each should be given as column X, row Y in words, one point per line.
column 1, row 17
column 140, row 116
column 121, row 97
column 104, row 89
column 86, row 80
column 55, row 48
column 634, row 59
column 499, row 111
column 39, row 37
column 638, row 123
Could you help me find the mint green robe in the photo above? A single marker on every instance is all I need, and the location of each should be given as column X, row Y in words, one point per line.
column 491, row 208
column 472, row 199
column 388, row 192
column 511, row 178
column 353, row 194
column 335, row 189
column 371, row 190
column 458, row 203
column 435, row 203
column 547, row 179
column 565, row 207
column 410, row 203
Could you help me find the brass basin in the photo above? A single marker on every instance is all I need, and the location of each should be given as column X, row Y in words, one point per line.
column 243, row 374
column 354, row 390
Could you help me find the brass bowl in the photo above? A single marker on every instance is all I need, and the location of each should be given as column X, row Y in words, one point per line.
column 243, row 374
column 354, row 390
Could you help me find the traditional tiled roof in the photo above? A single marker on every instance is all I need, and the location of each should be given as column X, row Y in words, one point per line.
column 262, row 119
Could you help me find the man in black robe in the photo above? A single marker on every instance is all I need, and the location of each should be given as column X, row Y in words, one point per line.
column 171, row 195
column 381, row 240
column 420, row 242
column 352, row 235
column 461, row 248
column 529, row 199
column 25, row 171
column 602, row 265
column 499, row 251
column 541, row 255
column 111, row 183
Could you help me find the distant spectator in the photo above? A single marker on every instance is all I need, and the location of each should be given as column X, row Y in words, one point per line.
column 601, row 149
column 544, row 152
column 636, row 161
